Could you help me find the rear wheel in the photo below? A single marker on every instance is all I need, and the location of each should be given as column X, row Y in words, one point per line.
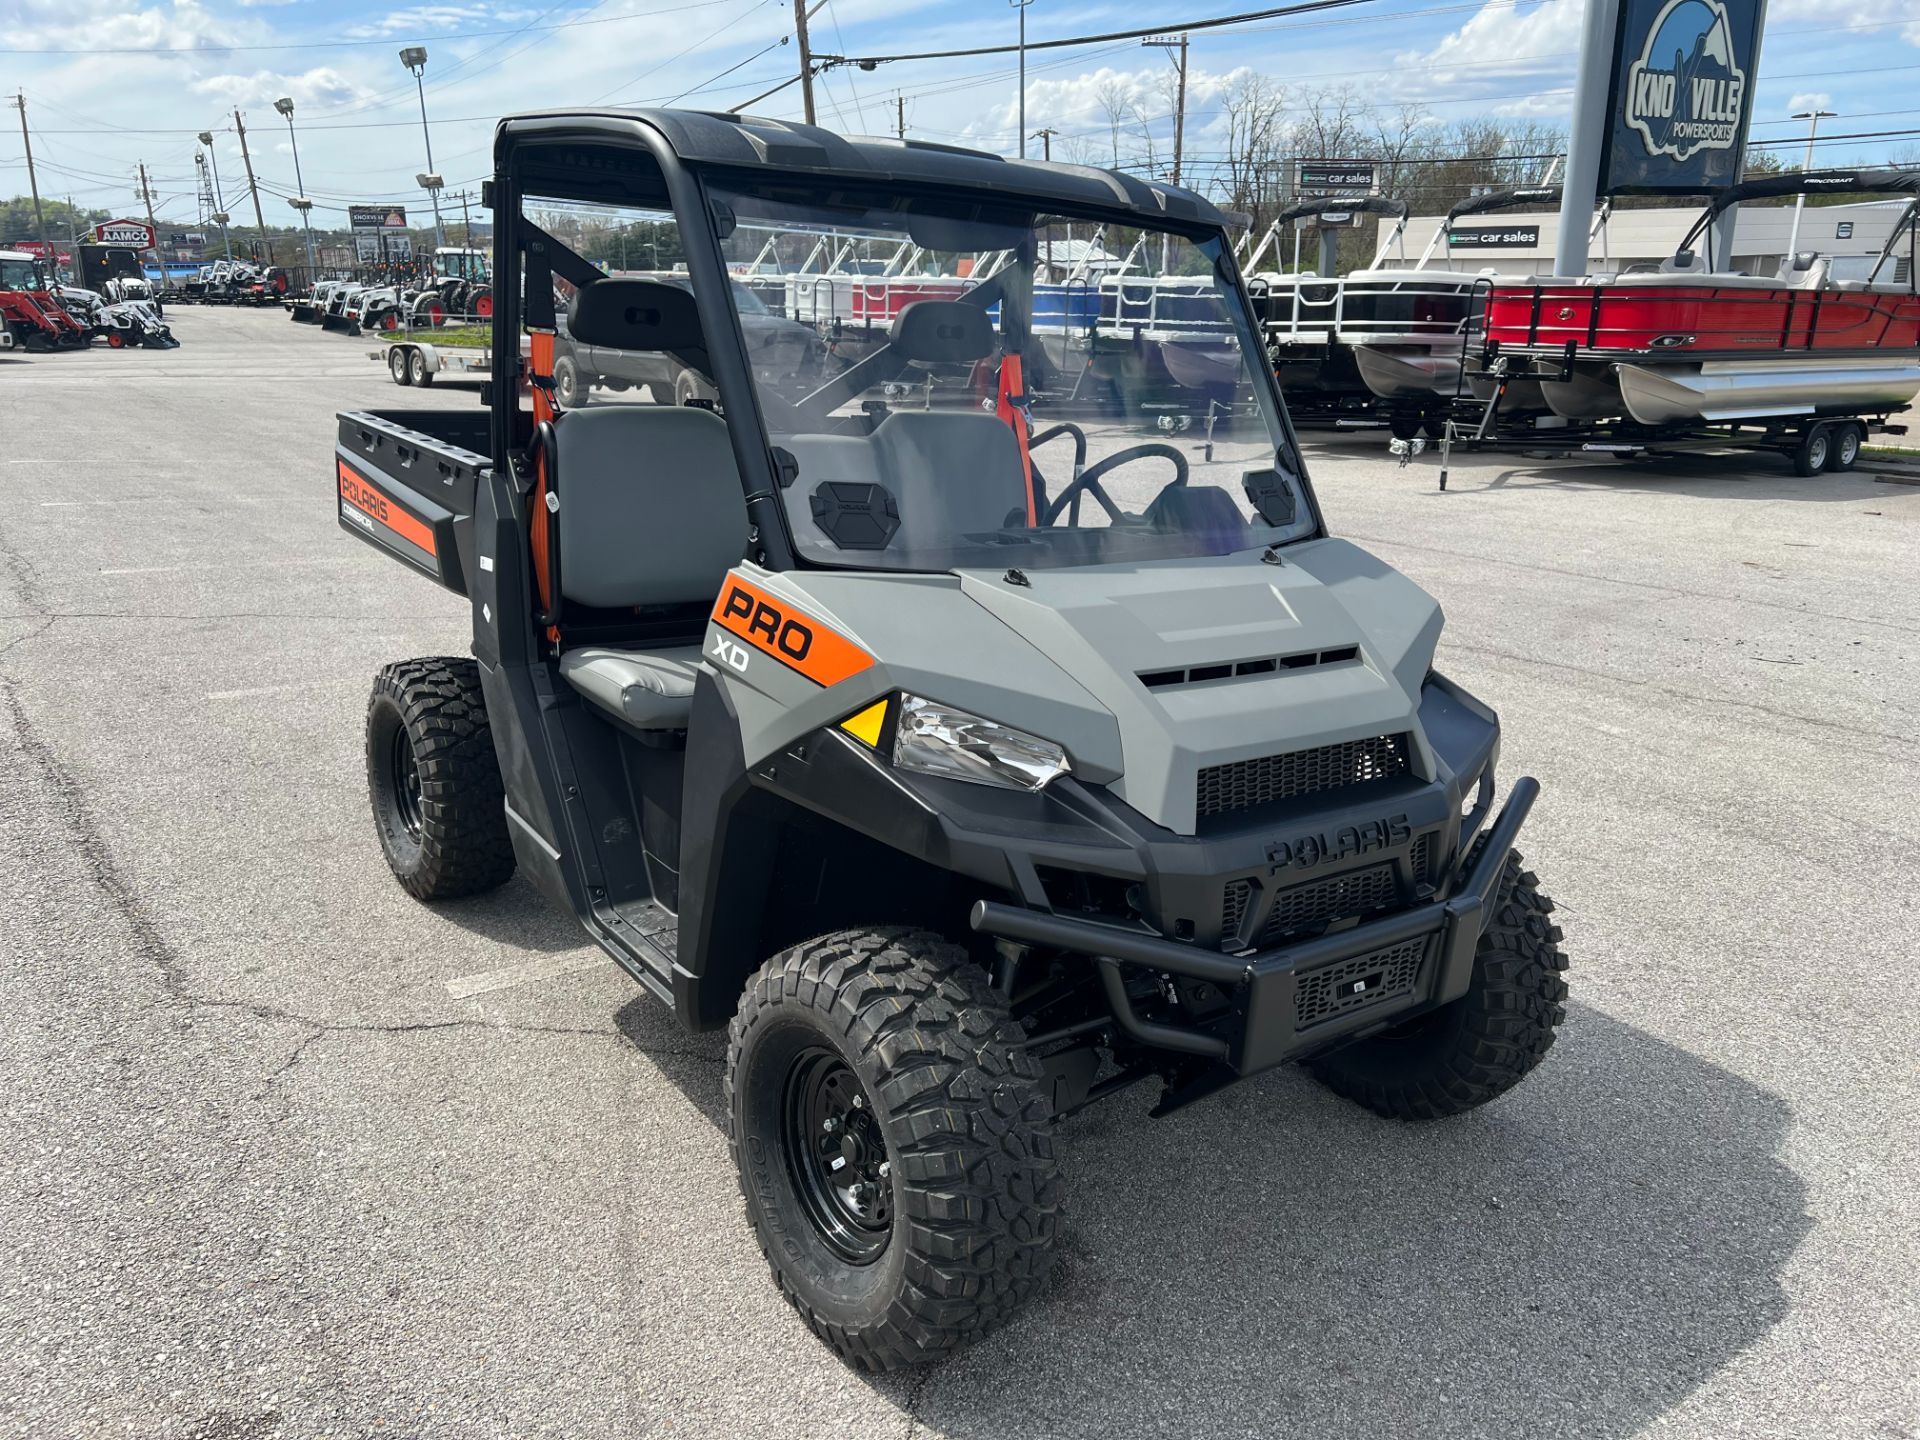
column 689, row 386
column 417, row 372
column 1810, row 456
column 1848, row 437
column 891, row 1137
column 568, row 388
column 433, row 778
column 1483, row 1044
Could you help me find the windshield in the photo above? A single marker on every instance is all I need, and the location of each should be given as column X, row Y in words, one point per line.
column 18, row 275
column 1003, row 388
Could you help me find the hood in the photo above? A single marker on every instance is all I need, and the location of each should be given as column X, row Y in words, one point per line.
column 1146, row 674
column 1208, row 662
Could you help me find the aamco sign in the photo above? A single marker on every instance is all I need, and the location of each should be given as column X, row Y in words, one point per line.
column 134, row 233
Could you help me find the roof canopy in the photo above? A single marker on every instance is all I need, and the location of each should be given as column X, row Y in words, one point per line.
column 1505, row 200
column 1342, row 205
column 750, row 142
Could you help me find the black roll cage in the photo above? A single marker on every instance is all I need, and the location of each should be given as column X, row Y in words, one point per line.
column 686, row 195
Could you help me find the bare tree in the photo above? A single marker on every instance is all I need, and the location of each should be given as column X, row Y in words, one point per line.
column 1253, row 172
column 1115, row 99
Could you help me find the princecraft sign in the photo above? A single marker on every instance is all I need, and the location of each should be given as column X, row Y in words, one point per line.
column 1682, row 94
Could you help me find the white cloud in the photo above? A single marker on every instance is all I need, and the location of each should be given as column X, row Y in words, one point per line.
column 320, row 87
column 1809, row 100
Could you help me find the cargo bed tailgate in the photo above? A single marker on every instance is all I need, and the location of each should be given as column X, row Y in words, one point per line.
column 405, row 483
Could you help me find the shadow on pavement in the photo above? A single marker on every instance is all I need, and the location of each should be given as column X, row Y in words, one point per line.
column 1572, row 1261
column 1751, row 475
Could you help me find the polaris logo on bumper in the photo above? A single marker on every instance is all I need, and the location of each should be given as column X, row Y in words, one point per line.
column 1304, row 852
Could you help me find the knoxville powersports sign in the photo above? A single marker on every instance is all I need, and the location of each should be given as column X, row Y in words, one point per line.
column 1682, row 94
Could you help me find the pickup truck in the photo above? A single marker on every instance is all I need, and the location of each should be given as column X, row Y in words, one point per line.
column 776, row 346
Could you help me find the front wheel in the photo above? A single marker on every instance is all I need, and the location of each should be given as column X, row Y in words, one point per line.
column 892, row 1143
column 397, row 365
column 1479, row 1046
column 433, row 778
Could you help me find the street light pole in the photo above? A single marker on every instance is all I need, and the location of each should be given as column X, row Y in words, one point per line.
column 305, row 206
column 1813, row 119
column 414, row 57
column 1021, row 6
column 219, row 203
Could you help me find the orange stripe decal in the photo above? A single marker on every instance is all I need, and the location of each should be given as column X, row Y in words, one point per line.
column 797, row 641
column 369, row 499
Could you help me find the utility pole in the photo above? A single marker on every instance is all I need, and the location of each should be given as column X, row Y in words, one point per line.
column 153, row 226
column 466, row 216
column 900, row 108
column 806, row 57
column 33, row 184
column 1180, row 111
column 1813, row 119
column 1170, row 45
column 1045, row 137
column 1021, row 6
column 247, row 157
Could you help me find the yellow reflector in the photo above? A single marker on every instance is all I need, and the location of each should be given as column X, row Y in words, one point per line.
column 866, row 725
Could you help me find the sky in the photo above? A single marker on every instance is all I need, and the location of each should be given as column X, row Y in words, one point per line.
column 108, row 86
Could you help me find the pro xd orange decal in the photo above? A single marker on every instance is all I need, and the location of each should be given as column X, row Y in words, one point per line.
column 797, row 641
column 369, row 500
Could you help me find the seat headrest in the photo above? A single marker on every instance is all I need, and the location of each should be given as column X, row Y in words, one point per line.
column 628, row 314
column 942, row 332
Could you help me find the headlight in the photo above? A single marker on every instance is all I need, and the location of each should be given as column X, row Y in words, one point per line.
column 937, row 739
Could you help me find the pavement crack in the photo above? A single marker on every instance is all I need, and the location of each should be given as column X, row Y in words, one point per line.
column 46, row 624
column 69, row 801
column 916, row 1391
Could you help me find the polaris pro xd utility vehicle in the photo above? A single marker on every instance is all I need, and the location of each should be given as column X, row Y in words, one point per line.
column 971, row 751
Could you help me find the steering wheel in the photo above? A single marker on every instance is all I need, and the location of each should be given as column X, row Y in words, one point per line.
column 1088, row 482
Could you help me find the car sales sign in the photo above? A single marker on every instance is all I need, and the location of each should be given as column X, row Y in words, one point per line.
column 134, row 234
column 1681, row 95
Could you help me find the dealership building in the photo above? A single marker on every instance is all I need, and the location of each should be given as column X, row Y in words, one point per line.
column 1521, row 242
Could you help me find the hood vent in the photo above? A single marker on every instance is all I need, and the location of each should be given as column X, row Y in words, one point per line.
column 1248, row 669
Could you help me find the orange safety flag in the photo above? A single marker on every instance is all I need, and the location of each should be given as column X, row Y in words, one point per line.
column 544, row 410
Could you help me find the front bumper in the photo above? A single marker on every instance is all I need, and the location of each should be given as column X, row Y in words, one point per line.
column 1294, row 999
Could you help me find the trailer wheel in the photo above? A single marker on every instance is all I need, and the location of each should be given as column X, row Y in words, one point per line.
column 1466, row 1053
column 397, row 365
column 438, row 802
column 891, row 1137
column 417, row 372
column 1404, row 424
column 1848, row 437
column 1810, row 456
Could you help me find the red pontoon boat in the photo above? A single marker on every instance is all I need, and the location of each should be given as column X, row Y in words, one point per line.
column 1686, row 344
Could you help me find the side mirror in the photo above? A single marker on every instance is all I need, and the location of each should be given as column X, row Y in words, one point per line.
column 1269, row 492
column 725, row 222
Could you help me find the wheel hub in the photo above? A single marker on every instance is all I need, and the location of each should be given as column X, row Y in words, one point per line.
column 837, row 1156
column 406, row 782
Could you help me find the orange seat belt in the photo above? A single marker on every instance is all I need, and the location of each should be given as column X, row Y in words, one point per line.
column 544, row 410
column 1012, row 411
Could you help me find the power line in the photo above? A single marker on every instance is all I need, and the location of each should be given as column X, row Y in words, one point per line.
column 867, row 62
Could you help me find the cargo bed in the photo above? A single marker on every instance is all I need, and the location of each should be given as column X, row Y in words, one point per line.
column 406, row 481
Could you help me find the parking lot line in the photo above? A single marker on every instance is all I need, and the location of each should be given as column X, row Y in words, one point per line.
column 469, row 985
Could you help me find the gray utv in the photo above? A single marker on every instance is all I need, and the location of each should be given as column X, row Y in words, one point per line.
column 977, row 718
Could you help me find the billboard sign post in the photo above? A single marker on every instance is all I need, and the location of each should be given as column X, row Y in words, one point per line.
column 379, row 233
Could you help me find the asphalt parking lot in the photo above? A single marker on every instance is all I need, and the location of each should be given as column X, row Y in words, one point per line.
column 289, row 1155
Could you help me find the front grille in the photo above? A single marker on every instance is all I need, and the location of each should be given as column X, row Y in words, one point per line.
column 1300, row 909
column 1350, row 985
column 1244, row 784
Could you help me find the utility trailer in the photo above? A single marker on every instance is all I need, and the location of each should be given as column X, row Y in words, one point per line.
column 421, row 362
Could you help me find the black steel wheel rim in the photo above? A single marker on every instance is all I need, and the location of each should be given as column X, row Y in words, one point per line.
column 404, row 775
column 837, row 1156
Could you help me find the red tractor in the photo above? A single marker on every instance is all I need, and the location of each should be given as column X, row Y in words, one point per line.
column 29, row 310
